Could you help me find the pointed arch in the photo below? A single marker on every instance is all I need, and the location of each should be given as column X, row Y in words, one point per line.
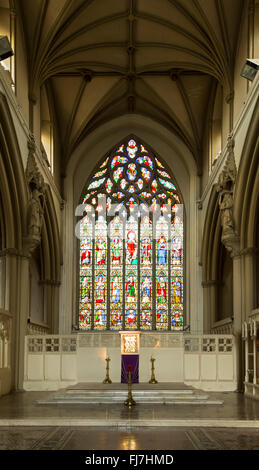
column 49, row 265
column 246, row 212
column 246, row 198
column 131, row 270
column 217, row 269
column 13, row 215
column 12, row 182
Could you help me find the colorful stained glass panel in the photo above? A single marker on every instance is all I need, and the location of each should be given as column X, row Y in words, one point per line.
column 162, row 232
column 84, row 318
column 104, row 163
column 145, row 195
column 146, row 174
column 117, row 174
column 132, row 148
column 108, row 185
column 118, row 160
column 164, row 174
column 96, row 184
column 167, row 184
column 145, row 160
column 131, row 280
column 140, row 183
column 85, row 297
column 123, row 183
column 100, row 173
column 159, row 164
column 118, row 195
column 142, row 148
column 177, row 270
column 131, row 171
column 143, row 283
column 146, row 290
column 100, row 285
column 116, row 282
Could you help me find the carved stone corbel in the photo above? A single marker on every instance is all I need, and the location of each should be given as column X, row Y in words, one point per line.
column 232, row 244
column 36, row 202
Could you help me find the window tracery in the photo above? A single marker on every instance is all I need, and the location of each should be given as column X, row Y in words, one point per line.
column 131, row 245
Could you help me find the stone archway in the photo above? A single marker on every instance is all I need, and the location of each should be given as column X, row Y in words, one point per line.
column 13, row 196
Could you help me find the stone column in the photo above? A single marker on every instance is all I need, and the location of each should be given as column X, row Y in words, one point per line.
column 22, row 316
column 243, row 301
column 15, row 301
column 237, row 310
column 2, row 281
column 55, row 307
column 210, row 301
column 51, row 304
column 254, row 351
column 13, row 45
column 245, row 340
column 237, row 293
column 68, row 285
column 249, row 256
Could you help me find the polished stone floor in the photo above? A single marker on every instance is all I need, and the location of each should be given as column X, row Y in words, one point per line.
column 22, row 408
column 24, row 424
column 105, row 438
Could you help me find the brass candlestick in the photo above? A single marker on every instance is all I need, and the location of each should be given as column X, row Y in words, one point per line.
column 107, row 379
column 129, row 401
column 153, row 379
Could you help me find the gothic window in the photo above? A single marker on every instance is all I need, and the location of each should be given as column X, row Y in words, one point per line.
column 131, row 245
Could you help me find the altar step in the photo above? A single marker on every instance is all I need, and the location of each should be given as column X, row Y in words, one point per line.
column 96, row 397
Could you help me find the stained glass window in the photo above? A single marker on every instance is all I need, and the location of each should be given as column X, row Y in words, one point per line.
column 131, row 272
column 146, row 257
column 100, row 274
column 86, row 236
column 116, row 273
column 162, row 274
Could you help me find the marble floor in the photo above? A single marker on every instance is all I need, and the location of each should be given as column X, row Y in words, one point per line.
column 24, row 424
column 106, row 438
column 21, row 408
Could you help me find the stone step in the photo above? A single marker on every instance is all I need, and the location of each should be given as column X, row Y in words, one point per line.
column 125, row 391
column 102, row 401
column 140, row 396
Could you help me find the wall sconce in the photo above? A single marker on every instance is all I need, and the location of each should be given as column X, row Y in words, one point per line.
column 250, row 68
column 5, row 48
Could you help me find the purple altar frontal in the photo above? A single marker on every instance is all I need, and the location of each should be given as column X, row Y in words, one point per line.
column 131, row 360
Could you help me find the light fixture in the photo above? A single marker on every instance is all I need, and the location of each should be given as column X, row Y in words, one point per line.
column 5, row 48
column 250, row 68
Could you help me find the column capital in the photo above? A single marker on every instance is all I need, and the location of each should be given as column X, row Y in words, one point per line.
column 13, row 252
column 251, row 250
column 230, row 97
column 231, row 241
column 30, row 243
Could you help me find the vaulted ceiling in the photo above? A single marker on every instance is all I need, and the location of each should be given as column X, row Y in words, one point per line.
column 104, row 58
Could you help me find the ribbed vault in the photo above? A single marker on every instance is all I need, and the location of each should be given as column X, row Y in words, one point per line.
column 102, row 59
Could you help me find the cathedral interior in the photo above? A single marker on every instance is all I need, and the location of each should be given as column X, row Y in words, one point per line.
column 129, row 224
